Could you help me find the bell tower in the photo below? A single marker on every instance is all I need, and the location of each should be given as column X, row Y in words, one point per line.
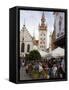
column 43, row 33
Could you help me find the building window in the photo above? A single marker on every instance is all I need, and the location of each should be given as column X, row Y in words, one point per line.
column 22, row 47
column 44, row 42
column 40, row 42
column 28, row 48
column 57, row 34
column 60, row 22
column 41, row 47
column 41, row 38
column 60, row 25
column 23, row 39
column 41, row 34
column 44, row 34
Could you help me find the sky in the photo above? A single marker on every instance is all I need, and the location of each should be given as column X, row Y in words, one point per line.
column 32, row 19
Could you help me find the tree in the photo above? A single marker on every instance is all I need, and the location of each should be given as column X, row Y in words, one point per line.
column 34, row 55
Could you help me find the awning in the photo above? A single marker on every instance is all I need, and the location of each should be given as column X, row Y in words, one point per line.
column 42, row 53
column 58, row 52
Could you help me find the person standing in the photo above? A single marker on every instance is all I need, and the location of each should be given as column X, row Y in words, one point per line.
column 54, row 71
column 61, row 73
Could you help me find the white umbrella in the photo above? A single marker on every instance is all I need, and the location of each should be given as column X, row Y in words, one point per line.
column 58, row 52
column 42, row 53
column 49, row 56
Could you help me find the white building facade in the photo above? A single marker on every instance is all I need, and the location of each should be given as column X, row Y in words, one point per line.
column 26, row 41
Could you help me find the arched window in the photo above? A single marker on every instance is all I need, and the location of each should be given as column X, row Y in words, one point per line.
column 22, row 47
column 28, row 48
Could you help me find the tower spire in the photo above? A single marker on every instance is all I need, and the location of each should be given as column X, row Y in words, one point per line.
column 34, row 34
column 43, row 18
column 24, row 22
column 24, row 26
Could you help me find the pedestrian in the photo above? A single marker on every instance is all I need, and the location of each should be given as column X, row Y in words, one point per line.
column 54, row 71
column 26, row 68
column 61, row 73
column 40, row 67
column 36, row 66
column 63, row 64
column 23, row 64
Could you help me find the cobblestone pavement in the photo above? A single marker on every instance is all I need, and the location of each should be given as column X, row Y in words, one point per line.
column 23, row 75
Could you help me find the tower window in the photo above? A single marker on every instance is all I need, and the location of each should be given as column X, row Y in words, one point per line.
column 44, row 42
column 44, row 38
column 22, row 47
column 28, row 48
column 41, row 34
column 40, row 42
column 44, row 34
column 41, row 38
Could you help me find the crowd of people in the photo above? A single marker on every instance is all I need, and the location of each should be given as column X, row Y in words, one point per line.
column 48, row 69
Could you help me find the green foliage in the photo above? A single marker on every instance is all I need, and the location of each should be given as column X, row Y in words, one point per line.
column 34, row 55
